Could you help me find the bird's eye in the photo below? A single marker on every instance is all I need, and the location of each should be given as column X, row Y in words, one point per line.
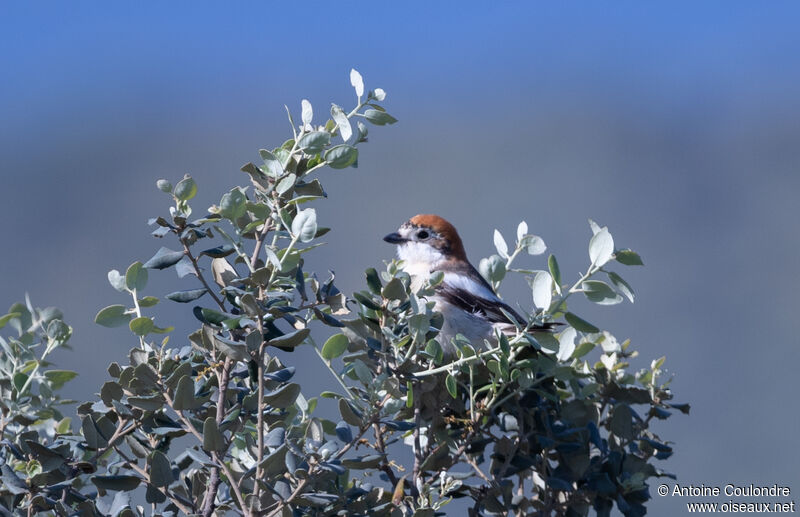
column 423, row 234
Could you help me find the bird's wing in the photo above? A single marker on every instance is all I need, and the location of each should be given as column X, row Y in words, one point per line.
column 480, row 299
column 493, row 310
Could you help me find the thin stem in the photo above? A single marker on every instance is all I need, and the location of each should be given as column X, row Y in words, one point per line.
column 450, row 366
column 330, row 368
column 199, row 275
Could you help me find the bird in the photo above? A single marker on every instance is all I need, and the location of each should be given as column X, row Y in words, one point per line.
column 427, row 243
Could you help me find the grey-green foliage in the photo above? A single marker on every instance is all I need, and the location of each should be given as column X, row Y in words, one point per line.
column 217, row 423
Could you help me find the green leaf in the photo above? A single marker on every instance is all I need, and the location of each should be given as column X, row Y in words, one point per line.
column 184, row 394
column 628, row 257
column 8, row 317
column 163, row 259
column 141, row 326
column 335, row 346
column 341, row 156
column 186, row 189
column 601, row 247
column 112, row 316
column 450, row 384
column 314, row 142
column 284, row 396
column 600, row 292
column 136, row 277
column 186, row 296
column 290, row 340
column 304, row 225
column 148, row 301
column 58, row 378
column 621, row 422
column 116, row 483
column 159, row 469
column 580, row 324
column 622, row 285
column 233, row 204
column 342, row 122
column 394, row 290
column 153, row 403
column 379, row 118
column 410, row 394
column 555, row 271
column 583, row 349
column 212, row 437
column 349, row 415
column 373, row 282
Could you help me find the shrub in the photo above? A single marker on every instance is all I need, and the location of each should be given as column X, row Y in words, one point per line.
column 217, row 423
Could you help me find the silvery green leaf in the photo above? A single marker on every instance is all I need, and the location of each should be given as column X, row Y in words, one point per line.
column 164, row 186
column 342, row 122
column 579, row 323
column 500, row 244
column 622, row 285
column 566, row 344
column 112, row 316
column 378, row 117
column 493, row 269
column 307, row 112
column 357, row 81
column 272, row 257
column 534, row 244
column 314, row 142
column 304, row 225
column 610, row 345
column 594, row 226
column 116, row 280
column 601, row 247
column 378, row 94
column 542, row 290
column 213, row 440
column 284, row 396
column 341, row 156
column 600, row 292
column 274, row 167
column 232, row 205
column 522, row 230
column 286, row 184
column 159, row 469
column 163, row 259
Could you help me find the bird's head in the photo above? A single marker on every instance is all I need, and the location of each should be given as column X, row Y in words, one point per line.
column 425, row 241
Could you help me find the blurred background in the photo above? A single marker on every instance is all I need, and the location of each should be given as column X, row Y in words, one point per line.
column 677, row 126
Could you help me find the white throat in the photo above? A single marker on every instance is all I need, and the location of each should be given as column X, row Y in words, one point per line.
column 419, row 259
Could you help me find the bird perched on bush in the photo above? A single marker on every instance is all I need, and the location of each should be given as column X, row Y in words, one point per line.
column 427, row 243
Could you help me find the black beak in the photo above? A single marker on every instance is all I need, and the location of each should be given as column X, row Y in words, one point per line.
column 394, row 238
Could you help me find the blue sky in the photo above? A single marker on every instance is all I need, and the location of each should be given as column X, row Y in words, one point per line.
column 675, row 124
